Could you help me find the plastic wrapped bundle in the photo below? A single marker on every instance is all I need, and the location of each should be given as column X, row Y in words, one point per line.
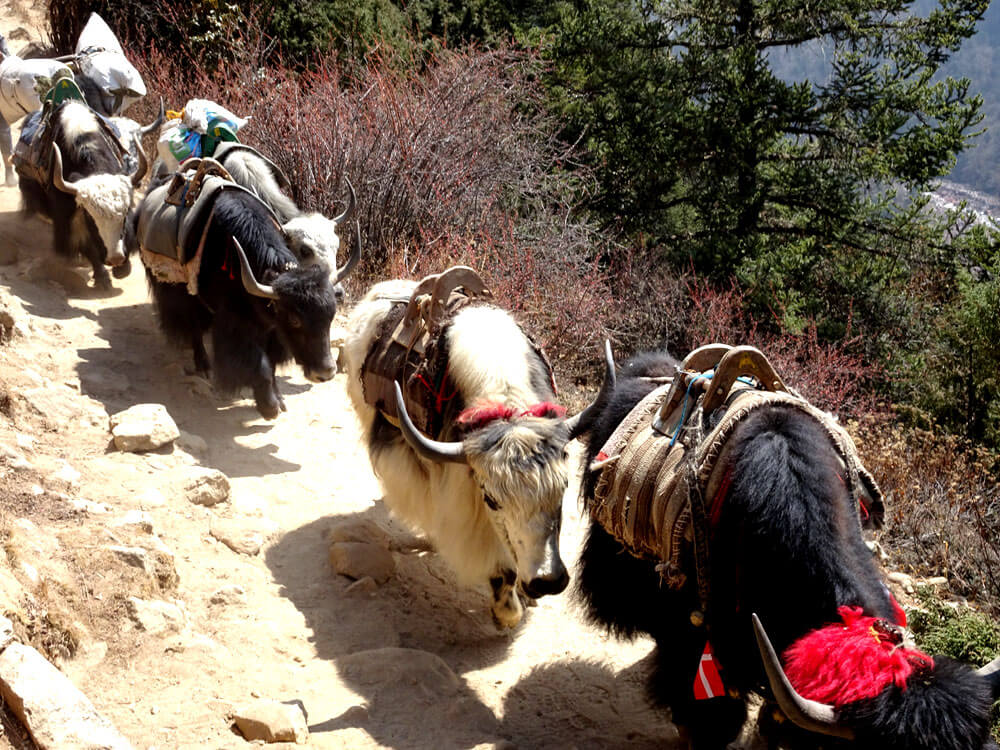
column 101, row 58
column 201, row 127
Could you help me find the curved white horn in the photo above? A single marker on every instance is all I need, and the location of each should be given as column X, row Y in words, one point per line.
column 249, row 281
column 577, row 421
column 991, row 672
column 160, row 118
column 143, row 167
column 355, row 255
column 350, row 206
column 58, row 181
column 808, row 714
column 432, row 450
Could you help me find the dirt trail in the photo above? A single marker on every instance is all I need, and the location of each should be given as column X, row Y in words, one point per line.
column 416, row 663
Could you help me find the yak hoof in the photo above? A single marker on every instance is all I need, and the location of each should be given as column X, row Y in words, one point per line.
column 269, row 411
column 102, row 282
column 508, row 612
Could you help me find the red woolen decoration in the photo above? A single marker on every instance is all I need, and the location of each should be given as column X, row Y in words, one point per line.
column 482, row 414
column 858, row 659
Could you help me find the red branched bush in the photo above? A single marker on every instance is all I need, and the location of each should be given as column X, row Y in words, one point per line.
column 453, row 161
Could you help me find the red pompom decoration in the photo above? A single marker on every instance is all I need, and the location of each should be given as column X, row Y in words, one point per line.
column 842, row 663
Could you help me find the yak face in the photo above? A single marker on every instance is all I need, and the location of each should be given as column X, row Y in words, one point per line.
column 522, row 469
column 304, row 307
column 106, row 200
column 314, row 241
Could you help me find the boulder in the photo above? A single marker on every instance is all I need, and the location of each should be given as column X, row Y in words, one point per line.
column 56, row 713
column 240, row 539
column 206, row 487
column 155, row 617
column 143, row 427
column 361, row 530
column 272, row 721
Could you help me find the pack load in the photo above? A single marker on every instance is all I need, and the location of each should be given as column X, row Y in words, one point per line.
column 196, row 131
column 100, row 57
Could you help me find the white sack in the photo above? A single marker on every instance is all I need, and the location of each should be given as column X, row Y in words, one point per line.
column 24, row 82
column 101, row 58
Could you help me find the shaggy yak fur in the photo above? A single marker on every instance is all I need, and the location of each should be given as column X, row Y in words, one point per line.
column 787, row 546
column 251, row 335
column 89, row 223
column 311, row 236
column 496, row 516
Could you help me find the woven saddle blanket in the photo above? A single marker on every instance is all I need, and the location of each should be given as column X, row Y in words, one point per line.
column 643, row 496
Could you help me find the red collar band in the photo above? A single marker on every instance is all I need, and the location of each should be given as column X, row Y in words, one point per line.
column 481, row 415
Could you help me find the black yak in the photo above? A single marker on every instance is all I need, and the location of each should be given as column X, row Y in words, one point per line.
column 779, row 543
column 261, row 307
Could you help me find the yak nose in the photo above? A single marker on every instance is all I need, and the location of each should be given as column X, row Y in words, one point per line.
column 321, row 374
column 553, row 582
column 339, row 294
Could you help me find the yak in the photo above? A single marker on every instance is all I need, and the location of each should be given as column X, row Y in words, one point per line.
column 73, row 170
column 311, row 236
column 786, row 571
column 486, row 489
column 260, row 306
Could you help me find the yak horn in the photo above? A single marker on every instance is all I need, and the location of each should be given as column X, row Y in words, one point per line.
column 160, row 118
column 143, row 167
column 579, row 422
column 58, row 181
column 350, row 206
column 808, row 714
column 249, row 282
column 355, row 255
column 991, row 672
column 432, row 450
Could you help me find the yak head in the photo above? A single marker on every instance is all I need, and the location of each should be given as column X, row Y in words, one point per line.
column 304, row 302
column 519, row 460
column 313, row 239
column 104, row 200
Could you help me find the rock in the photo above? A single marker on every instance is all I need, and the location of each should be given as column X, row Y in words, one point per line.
column 239, row 539
column 206, row 487
column 155, row 617
column 936, row 581
column 152, row 498
column 20, row 34
column 136, row 520
column 56, row 713
column 272, row 721
column 7, row 636
column 229, row 595
column 192, row 443
column 143, row 427
column 359, row 560
column 362, row 530
column 66, row 477
column 134, row 556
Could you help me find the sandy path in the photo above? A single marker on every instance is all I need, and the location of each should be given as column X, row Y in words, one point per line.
column 299, row 635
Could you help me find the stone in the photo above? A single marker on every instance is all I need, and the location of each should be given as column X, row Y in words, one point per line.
column 56, row 713
column 272, row 721
column 155, row 617
column 136, row 520
column 228, row 595
column 363, row 530
column 152, row 498
column 359, row 560
column 133, row 556
column 238, row 538
column 143, row 427
column 192, row 443
column 206, row 487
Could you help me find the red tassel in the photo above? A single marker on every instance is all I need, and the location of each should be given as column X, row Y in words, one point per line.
column 843, row 663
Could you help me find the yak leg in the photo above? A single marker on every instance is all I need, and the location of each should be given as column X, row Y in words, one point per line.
column 507, row 609
column 201, row 363
column 6, row 151
column 240, row 360
column 276, row 353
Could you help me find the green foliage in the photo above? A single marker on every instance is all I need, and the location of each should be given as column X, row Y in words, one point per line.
column 962, row 634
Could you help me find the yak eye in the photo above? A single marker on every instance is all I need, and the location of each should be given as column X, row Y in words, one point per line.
column 294, row 321
column 491, row 502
